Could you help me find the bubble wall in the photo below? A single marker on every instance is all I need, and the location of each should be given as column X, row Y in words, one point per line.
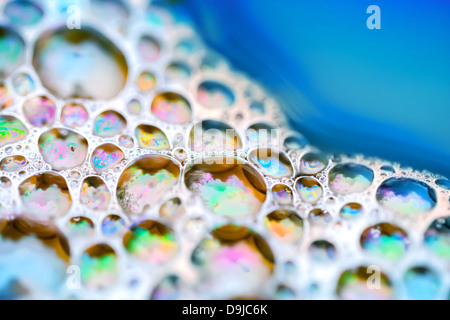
column 136, row 163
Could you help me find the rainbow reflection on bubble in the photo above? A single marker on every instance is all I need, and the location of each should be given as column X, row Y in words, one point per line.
column 99, row 266
column 13, row 163
column 437, row 237
column 74, row 115
column 46, row 194
column 151, row 241
column 145, row 181
column 313, row 163
column 39, row 111
column 151, row 137
column 351, row 210
column 309, row 189
column 386, row 240
column 405, row 195
column 80, row 227
column 172, row 209
column 227, row 186
column 354, row 284
column 322, row 251
column 126, row 141
column 234, row 260
column 350, row 178
column 63, row 148
column 94, row 193
column 213, row 94
column 211, row 135
column 282, row 194
column 285, row 225
column 109, row 123
column 171, row 107
column 134, row 106
column 11, row 130
column 106, row 156
column 271, row 163
column 148, row 48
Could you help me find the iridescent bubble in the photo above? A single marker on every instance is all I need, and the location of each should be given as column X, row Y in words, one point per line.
column 211, row 135
column 187, row 46
column 177, row 71
column 284, row 293
column 6, row 99
column 258, row 107
column 309, row 189
column 351, row 210
column 148, row 49
column 262, row 134
column 295, row 142
column 13, row 163
column 422, row 283
column 171, row 107
column 443, row 183
column 386, row 240
column 126, row 141
column 282, row 194
column 45, row 194
column 62, row 148
column 228, row 186
column 109, row 123
column 134, row 106
column 145, row 181
column 437, row 237
column 213, row 94
column 12, row 51
column 172, row 209
column 23, row 84
column 74, row 115
column 285, row 225
column 151, row 241
column 322, row 251
column 11, row 130
column 79, row 63
column 99, row 266
column 113, row 224
column 80, row 227
column 146, row 81
column 34, row 259
column 106, row 156
column 405, row 195
column 387, row 168
column 318, row 215
column 39, row 111
column 352, row 285
column 151, row 137
column 234, row 260
column 313, row 163
column 23, row 12
column 271, row 163
column 350, row 178
column 94, row 193
column 167, row 289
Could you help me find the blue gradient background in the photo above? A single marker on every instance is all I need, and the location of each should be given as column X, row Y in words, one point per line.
column 346, row 88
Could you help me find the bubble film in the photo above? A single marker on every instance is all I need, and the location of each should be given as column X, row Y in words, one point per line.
column 189, row 183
